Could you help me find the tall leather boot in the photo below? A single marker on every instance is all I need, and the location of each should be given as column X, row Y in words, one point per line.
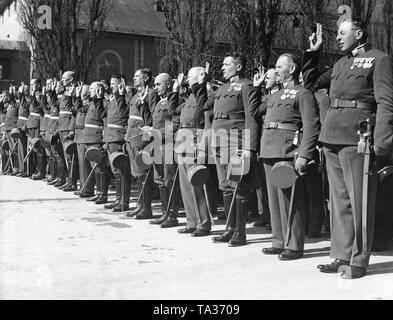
column 239, row 237
column 61, row 173
column 147, row 198
column 72, row 177
column 97, row 178
column 53, row 168
column 172, row 215
column 164, row 195
column 125, row 195
column 41, row 165
column 118, row 194
column 139, row 206
column 102, row 186
column 231, row 218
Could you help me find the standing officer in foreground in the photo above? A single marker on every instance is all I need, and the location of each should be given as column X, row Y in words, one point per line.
column 290, row 111
column 140, row 115
column 36, row 104
column 64, row 124
column 163, row 131
column 233, row 127
column 23, row 114
column 191, row 128
column 93, row 137
column 361, row 90
column 115, row 138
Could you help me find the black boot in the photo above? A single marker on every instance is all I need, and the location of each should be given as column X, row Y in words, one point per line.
column 164, row 195
column 102, row 186
column 118, row 195
column 231, row 218
column 175, row 204
column 239, row 237
column 125, row 195
column 52, row 170
column 147, row 197
column 41, row 165
column 139, row 206
column 61, row 173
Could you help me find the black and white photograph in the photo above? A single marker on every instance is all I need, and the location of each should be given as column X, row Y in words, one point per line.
column 196, row 155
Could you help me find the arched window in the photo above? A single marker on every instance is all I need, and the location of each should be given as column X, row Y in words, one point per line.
column 109, row 62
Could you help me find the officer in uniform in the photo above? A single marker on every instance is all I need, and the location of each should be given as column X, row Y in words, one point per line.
column 10, row 122
column 191, row 128
column 93, row 137
column 163, row 131
column 140, row 115
column 361, row 91
column 54, row 95
column 64, row 125
column 44, row 127
column 231, row 115
column 291, row 110
column 3, row 137
column 81, row 107
column 23, row 114
column 117, row 119
column 37, row 103
column 269, row 87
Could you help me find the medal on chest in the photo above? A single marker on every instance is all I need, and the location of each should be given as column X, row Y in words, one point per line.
column 362, row 63
column 289, row 94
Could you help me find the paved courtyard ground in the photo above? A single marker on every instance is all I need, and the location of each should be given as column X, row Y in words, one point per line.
column 54, row 245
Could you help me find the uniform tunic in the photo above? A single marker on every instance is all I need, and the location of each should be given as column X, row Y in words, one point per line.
column 297, row 107
column 363, row 80
column 231, row 113
column 191, row 124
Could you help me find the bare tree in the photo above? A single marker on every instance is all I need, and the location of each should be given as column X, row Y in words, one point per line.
column 253, row 28
column 71, row 43
column 194, row 33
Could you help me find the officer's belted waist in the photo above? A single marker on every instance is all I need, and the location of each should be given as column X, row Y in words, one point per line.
column 69, row 113
column 229, row 116
column 190, row 125
column 281, row 126
column 87, row 125
column 116, row 126
column 338, row 103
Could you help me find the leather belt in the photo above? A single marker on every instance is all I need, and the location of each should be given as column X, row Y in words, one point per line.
column 93, row 126
column 116, row 126
column 35, row 114
column 190, row 125
column 229, row 116
column 54, row 118
column 281, row 126
column 353, row 104
column 65, row 112
column 23, row 118
column 136, row 118
column 79, row 127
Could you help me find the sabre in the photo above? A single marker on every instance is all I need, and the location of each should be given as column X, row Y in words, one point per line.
column 10, row 157
column 143, row 189
column 89, row 177
column 172, row 189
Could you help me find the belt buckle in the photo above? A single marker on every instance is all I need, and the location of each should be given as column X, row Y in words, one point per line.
column 273, row 125
column 354, row 103
column 225, row 116
column 335, row 104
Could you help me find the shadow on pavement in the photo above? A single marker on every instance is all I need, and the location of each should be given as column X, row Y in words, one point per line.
column 316, row 253
column 380, row 268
